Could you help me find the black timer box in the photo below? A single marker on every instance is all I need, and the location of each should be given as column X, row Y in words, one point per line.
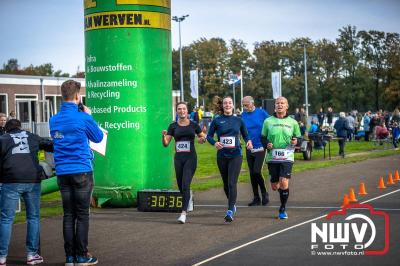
column 158, row 200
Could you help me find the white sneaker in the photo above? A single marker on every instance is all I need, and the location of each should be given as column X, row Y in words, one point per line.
column 182, row 219
column 190, row 206
column 3, row 261
column 34, row 259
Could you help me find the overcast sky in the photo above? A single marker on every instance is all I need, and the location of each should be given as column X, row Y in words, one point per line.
column 42, row 31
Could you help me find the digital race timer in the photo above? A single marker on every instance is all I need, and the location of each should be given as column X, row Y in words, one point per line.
column 159, row 200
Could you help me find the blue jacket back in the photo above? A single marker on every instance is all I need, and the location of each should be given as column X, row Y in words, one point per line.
column 342, row 127
column 71, row 131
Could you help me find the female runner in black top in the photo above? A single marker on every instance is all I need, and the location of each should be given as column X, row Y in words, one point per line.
column 185, row 161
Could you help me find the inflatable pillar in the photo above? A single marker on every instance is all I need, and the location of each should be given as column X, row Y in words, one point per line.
column 128, row 88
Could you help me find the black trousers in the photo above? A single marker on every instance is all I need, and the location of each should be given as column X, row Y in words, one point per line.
column 255, row 162
column 76, row 191
column 366, row 138
column 342, row 142
column 230, row 170
column 185, row 167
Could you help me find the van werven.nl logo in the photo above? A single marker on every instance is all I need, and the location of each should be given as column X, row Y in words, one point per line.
column 352, row 233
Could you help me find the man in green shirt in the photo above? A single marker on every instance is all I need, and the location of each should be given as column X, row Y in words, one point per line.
column 279, row 135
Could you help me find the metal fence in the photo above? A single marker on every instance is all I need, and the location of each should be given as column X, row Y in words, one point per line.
column 40, row 128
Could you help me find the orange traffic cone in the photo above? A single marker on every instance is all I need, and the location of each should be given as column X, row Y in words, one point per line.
column 345, row 200
column 362, row 190
column 352, row 195
column 396, row 176
column 381, row 184
column 390, row 180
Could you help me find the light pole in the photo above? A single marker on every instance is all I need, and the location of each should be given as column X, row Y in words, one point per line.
column 305, row 81
column 179, row 19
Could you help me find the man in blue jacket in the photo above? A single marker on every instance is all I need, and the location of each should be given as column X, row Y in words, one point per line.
column 366, row 121
column 342, row 128
column 71, row 131
column 254, row 119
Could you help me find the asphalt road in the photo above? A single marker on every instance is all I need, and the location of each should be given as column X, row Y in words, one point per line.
column 129, row 237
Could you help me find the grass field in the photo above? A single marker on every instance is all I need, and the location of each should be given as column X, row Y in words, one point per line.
column 207, row 174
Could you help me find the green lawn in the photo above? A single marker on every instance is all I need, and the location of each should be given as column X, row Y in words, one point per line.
column 50, row 206
column 207, row 174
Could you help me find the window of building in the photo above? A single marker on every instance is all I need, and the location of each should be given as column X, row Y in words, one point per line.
column 26, row 107
column 3, row 104
column 58, row 104
column 52, row 104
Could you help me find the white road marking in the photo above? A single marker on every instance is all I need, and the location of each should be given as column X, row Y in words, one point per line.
column 291, row 207
column 272, row 206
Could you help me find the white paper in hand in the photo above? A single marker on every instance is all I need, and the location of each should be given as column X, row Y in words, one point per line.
column 101, row 146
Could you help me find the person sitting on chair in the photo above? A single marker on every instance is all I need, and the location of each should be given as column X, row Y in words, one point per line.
column 381, row 132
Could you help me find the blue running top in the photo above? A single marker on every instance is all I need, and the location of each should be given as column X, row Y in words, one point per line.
column 228, row 129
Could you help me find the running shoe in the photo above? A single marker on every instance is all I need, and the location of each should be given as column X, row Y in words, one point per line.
column 265, row 200
column 3, row 261
column 34, row 259
column 86, row 260
column 190, row 206
column 69, row 261
column 282, row 215
column 182, row 219
column 229, row 216
column 255, row 202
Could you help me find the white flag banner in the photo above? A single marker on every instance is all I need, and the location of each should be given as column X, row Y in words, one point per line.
column 276, row 84
column 194, row 83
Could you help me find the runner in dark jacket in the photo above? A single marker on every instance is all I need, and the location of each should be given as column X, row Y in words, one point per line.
column 229, row 156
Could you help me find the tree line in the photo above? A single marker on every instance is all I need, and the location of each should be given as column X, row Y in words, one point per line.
column 360, row 70
column 47, row 69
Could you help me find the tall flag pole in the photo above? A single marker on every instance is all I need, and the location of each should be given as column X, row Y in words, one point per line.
column 241, row 89
column 305, row 80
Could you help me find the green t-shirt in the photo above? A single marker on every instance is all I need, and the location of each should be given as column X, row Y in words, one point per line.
column 280, row 131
